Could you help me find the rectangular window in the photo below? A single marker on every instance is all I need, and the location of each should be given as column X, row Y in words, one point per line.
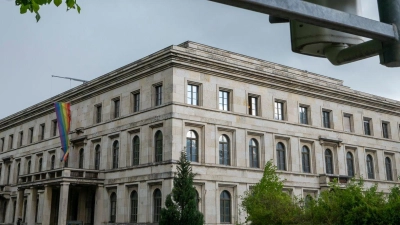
column 385, row 129
column 1, row 145
column 158, row 99
column 30, row 133
column 116, row 108
column 98, row 113
column 10, row 141
column 136, row 102
column 253, row 105
column 326, row 117
column 278, row 115
column 303, row 111
column 224, row 100
column 54, row 128
column 367, row 126
column 42, row 130
column 21, row 138
column 192, row 94
column 347, row 121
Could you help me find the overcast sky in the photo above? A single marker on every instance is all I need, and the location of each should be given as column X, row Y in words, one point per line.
column 111, row 33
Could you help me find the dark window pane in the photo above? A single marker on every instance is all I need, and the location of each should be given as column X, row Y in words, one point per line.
column 370, row 167
column 281, row 157
column 350, row 164
column 388, row 165
column 158, row 146
column 136, row 150
column 328, row 161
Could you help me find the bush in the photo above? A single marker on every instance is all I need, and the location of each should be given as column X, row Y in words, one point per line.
column 266, row 203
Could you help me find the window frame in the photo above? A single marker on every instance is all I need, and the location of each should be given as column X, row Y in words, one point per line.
column 305, row 155
column 81, row 158
column 254, row 163
column 158, row 94
column 224, row 105
column 327, row 118
column 330, row 159
column 10, row 141
column 370, row 167
column 113, row 207
column 20, row 139
column 115, row 154
column 367, row 130
column 253, row 106
column 30, row 133
column 388, row 168
column 135, row 150
column 280, row 110
column 386, row 130
column 134, row 206
column 52, row 162
column 97, row 157
column 98, row 113
column 157, row 203
column 351, row 122
column 2, row 140
column 305, row 119
column 192, row 154
column 54, row 128
column 190, row 93
column 350, row 166
column 224, row 159
column 225, row 216
column 136, row 101
column 158, row 146
column 281, row 156
column 116, row 108
column 42, row 131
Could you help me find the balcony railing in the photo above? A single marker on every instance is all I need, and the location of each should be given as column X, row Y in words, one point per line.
column 49, row 175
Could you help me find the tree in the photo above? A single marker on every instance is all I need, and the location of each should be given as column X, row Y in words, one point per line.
column 266, row 203
column 181, row 204
column 34, row 5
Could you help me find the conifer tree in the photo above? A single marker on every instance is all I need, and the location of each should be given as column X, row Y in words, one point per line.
column 181, row 204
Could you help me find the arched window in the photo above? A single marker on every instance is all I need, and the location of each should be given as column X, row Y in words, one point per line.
column 136, row 150
column 113, row 207
column 350, row 164
column 281, row 158
column 192, row 146
column 115, row 154
column 9, row 174
column 224, row 150
column 28, row 167
column 370, row 167
column 197, row 200
column 81, row 158
column 328, row 161
column 18, row 171
column 53, row 162
column 388, row 165
column 157, row 205
column 134, row 207
column 97, row 157
column 40, row 165
column 225, row 207
column 305, row 159
column 307, row 201
column 158, row 146
column 253, row 151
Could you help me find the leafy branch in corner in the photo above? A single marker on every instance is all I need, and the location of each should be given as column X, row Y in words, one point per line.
column 33, row 6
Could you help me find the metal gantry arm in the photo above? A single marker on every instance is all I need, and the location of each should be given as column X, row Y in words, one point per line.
column 320, row 16
column 386, row 31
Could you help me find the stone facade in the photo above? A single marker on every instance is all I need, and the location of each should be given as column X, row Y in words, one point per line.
column 125, row 146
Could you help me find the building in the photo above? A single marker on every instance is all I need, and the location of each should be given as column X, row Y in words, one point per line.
column 230, row 112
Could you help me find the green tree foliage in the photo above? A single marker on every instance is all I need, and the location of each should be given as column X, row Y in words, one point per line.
column 266, row 203
column 353, row 204
column 33, row 6
column 181, row 204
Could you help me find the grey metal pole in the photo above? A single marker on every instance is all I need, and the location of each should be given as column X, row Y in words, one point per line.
column 389, row 12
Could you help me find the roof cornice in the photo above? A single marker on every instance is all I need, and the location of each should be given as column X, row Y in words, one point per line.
column 213, row 61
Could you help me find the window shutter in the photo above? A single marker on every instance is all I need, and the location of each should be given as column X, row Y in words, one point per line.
column 347, row 123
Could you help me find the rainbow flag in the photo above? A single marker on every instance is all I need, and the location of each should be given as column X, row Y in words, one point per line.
column 63, row 113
